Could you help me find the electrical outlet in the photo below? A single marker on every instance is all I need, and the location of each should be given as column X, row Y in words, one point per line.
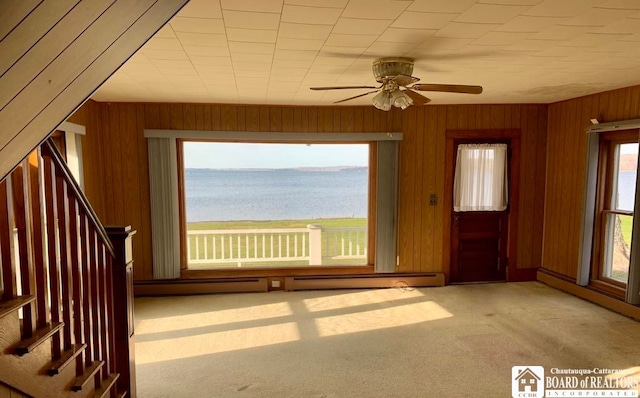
column 433, row 199
column 275, row 283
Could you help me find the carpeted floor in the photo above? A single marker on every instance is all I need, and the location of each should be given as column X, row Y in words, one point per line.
column 454, row 341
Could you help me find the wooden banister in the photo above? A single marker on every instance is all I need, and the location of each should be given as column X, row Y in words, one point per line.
column 71, row 280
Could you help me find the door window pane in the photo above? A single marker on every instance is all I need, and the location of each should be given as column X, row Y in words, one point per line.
column 480, row 182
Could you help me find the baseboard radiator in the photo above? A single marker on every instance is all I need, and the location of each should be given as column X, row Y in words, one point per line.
column 363, row 281
column 204, row 286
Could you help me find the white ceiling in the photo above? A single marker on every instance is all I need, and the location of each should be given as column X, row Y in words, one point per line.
column 272, row 51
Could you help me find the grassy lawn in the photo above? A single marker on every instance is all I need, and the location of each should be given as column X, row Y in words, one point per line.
column 296, row 244
column 324, row 222
column 625, row 224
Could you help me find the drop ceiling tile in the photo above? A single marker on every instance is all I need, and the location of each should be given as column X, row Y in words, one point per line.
column 138, row 58
column 310, row 15
column 202, row 39
column 339, row 40
column 512, row 2
column 422, row 20
column 204, row 61
column 197, row 25
column 597, row 17
column 301, row 31
column 344, row 52
column 273, row 6
column 375, row 9
column 162, row 44
column 214, row 71
column 284, row 71
column 298, row 44
column 444, row 43
column 500, row 38
column 165, row 32
column 361, row 26
column 236, row 47
column 170, row 71
column 562, row 32
column 169, row 63
column 625, row 26
column 165, row 54
column 260, row 74
column 532, row 46
column 621, row 4
column 489, row 13
column 325, row 60
column 302, row 55
column 206, row 51
column 524, row 23
column 463, row 30
column 564, row 8
column 291, row 63
column 319, row 3
column 201, row 9
column 251, row 20
column 591, row 40
column 386, row 49
column 251, row 35
column 395, row 35
column 250, row 58
column 441, row 6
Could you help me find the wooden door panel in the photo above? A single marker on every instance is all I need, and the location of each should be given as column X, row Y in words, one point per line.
column 479, row 246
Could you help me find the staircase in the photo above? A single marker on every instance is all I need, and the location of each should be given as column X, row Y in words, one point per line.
column 66, row 321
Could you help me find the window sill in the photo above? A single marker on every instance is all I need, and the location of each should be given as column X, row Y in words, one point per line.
column 607, row 288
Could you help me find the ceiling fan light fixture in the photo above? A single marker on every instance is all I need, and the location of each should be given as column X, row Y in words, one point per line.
column 382, row 100
column 401, row 100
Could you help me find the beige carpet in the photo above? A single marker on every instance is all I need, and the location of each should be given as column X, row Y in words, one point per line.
column 454, row 341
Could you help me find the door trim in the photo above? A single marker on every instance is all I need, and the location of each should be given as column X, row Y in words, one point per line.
column 513, row 137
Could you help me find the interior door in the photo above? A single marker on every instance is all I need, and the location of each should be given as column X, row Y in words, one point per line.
column 479, row 243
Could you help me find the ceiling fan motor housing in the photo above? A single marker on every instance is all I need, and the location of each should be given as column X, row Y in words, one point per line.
column 392, row 66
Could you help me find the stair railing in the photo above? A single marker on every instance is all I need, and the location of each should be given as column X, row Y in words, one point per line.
column 65, row 282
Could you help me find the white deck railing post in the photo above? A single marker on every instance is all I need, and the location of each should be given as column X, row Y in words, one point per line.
column 315, row 244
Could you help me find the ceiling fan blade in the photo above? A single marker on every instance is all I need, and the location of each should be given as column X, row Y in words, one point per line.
column 404, row 80
column 448, row 88
column 341, row 87
column 356, row 96
column 418, row 99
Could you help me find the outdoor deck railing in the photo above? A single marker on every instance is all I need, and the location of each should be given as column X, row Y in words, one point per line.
column 313, row 245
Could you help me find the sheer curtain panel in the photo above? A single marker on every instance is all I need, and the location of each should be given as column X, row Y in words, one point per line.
column 480, row 182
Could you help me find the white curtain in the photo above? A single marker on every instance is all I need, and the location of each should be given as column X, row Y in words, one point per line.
column 480, row 182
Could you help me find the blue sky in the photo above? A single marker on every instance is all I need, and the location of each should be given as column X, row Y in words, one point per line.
column 217, row 155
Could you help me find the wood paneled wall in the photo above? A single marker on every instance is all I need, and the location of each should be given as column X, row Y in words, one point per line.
column 566, row 152
column 115, row 157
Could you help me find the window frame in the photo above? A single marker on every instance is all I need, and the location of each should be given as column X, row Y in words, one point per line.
column 607, row 142
column 367, row 268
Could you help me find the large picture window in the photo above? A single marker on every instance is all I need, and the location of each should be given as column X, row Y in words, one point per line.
column 618, row 159
column 271, row 205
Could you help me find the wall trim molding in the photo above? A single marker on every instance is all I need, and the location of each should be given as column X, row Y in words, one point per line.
column 271, row 136
column 603, row 300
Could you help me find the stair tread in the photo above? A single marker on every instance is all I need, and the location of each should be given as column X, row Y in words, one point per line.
column 40, row 336
column 65, row 359
column 88, row 374
column 106, row 385
column 11, row 305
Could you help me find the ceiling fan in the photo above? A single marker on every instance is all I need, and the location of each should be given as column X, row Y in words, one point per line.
column 398, row 87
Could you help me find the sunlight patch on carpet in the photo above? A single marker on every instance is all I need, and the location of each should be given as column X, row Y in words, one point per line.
column 399, row 315
column 210, row 318
column 346, row 300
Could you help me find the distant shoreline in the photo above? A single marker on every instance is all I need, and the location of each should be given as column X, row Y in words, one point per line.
column 304, row 169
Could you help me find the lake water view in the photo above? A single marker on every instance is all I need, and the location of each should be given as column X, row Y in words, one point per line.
column 275, row 194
